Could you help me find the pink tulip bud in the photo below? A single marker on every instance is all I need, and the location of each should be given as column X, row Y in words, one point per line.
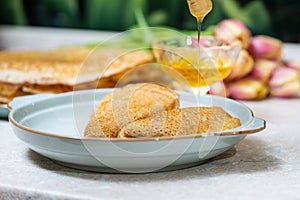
column 285, row 82
column 248, row 89
column 219, row 89
column 263, row 69
column 265, row 47
column 293, row 65
column 242, row 66
column 233, row 29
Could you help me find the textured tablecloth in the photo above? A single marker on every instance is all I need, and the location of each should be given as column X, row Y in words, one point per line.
column 265, row 165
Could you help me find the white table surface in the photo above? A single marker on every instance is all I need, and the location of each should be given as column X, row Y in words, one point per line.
column 265, row 165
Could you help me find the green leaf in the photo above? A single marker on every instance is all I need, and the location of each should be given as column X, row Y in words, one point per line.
column 103, row 14
column 128, row 16
column 157, row 17
column 12, row 12
column 67, row 6
column 145, row 34
column 174, row 9
column 67, row 9
column 232, row 9
column 91, row 11
column 215, row 16
column 19, row 13
column 259, row 15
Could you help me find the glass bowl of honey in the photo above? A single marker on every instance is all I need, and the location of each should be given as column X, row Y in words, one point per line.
column 199, row 64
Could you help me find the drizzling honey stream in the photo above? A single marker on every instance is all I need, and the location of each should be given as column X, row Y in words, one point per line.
column 199, row 9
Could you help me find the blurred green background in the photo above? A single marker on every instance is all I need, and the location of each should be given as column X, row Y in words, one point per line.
column 277, row 18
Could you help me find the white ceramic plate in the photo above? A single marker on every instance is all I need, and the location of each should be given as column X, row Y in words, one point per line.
column 3, row 111
column 53, row 126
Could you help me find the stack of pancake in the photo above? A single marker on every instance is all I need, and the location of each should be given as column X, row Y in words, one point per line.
column 55, row 71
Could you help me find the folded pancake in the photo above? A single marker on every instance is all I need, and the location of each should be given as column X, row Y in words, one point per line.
column 64, row 69
column 181, row 121
column 8, row 91
column 151, row 110
column 131, row 103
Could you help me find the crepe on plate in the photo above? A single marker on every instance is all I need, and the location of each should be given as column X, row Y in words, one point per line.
column 131, row 103
column 150, row 110
column 64, row 70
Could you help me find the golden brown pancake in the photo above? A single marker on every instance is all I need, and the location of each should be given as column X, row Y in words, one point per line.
column 131, row 103
column 150, row 110
column 181, row 121
column 65, row 69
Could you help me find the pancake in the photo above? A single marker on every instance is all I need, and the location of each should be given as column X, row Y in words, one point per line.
column 64, row 70
column 151, row 110
column 131, row 103
column 181, row 121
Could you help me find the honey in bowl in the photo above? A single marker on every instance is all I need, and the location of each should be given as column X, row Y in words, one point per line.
column 200, row 69
column 206, row 75
column 200, row 65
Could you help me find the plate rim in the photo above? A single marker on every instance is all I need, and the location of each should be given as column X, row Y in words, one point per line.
column 231, row 132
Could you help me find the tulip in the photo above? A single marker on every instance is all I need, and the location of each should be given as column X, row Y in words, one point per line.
column 242, row 66
column 285, row 82
column 233, row 29
column 219, row 89
column 293, row 64
column 263, row 69
column 265, row 47
column 248, row 89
